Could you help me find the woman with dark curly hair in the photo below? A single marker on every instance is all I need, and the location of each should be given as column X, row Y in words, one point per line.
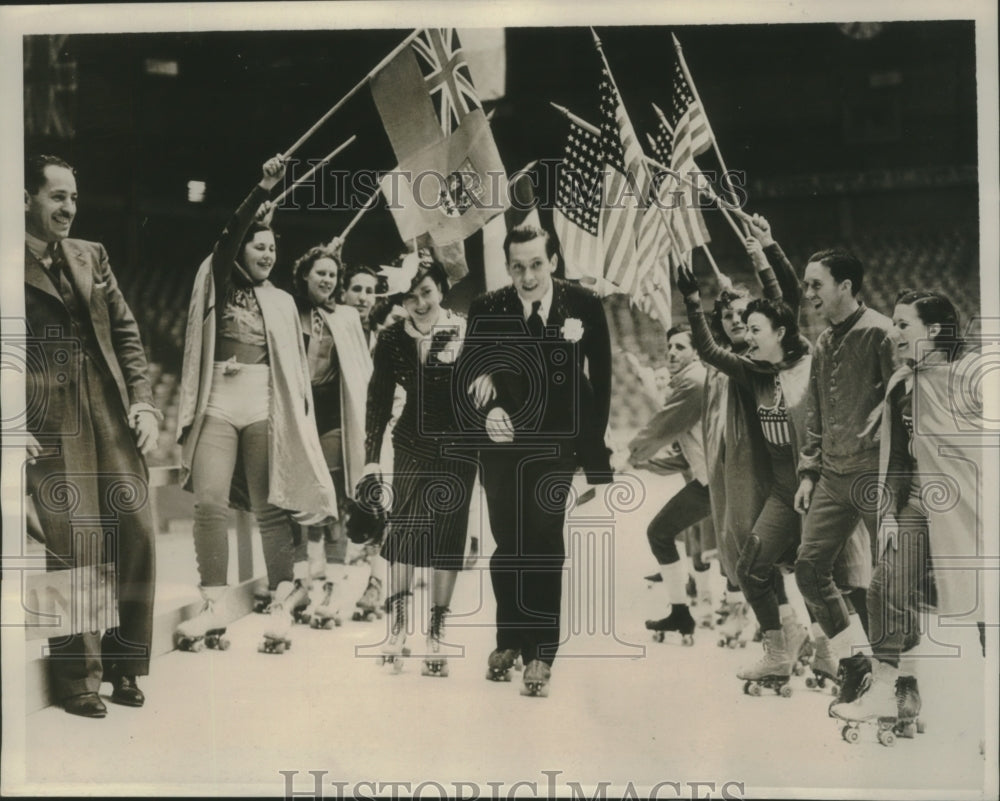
column 431, row 489
column 773, row 375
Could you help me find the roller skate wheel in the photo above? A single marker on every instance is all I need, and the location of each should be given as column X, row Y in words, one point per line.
column 687, row 639
column 721, row 643
column 834, row 690
column 657, row 636
column 886, row 737
column 743, row 643
column 785, row 691
column 746, row 688
column 921, row 727
column 754, row 690
column 314, row 623
column 850, row 734
column 798, row 670
column 811, row 683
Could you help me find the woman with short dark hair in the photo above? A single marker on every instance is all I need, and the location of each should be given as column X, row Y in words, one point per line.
column 431, row 489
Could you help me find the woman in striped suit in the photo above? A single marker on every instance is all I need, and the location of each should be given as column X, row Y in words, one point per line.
column 431, row 489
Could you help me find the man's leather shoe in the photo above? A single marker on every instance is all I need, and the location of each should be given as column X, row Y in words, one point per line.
column 86, row 705
column 126, row 692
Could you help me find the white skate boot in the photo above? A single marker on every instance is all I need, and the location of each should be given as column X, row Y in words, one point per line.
column 878, row 706
column 772, row 670
column 279, row 619
column 205, row 629
column 395, row 650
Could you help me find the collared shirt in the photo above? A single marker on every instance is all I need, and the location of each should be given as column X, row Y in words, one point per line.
column 544, row 309
column 851, row 366
column 39, row 248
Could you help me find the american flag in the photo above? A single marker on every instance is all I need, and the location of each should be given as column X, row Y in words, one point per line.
column 677, row 149
column 447, row 75
column 625, row 184
column 578, row 203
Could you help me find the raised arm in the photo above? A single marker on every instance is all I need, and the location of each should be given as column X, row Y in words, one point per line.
column 225, row 252
column 787, row 284
column 701, row 335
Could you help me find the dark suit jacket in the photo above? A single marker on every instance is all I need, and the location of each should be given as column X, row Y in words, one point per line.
column 555, row 390
column 53, row 359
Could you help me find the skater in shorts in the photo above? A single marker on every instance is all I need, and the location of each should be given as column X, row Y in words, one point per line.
column 245, row 419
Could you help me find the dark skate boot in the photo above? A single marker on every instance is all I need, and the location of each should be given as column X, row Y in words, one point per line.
column 435, row 664
column 772, row 671
column 854, row 675
column 501, row 661
column 395, row 650
column 678, row 620
column 908, row 708
column 536, row 679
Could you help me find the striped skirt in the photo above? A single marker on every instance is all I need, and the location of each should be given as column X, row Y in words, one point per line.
column 429, row 518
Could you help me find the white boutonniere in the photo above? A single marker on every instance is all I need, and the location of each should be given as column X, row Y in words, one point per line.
column 572, row 330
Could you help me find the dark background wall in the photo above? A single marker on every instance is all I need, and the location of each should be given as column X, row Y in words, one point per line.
column 812, row 115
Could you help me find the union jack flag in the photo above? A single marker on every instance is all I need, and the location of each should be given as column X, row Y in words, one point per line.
column 447, row 75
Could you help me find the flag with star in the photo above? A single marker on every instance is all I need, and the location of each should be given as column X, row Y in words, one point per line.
column 578, row 202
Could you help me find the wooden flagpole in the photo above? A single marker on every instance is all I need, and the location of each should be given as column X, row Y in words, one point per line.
column 309, row 174
column 704, row 111
column 316, row 126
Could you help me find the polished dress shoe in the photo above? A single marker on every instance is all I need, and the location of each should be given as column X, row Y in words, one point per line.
column 126, row 692
column 86, row 705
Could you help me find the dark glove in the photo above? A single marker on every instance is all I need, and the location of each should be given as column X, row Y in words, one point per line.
column 367, row 514
column 687, row 284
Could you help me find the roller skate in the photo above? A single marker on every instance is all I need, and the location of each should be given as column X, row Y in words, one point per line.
column 733, row 626
column 877, row 706
column 299, row 603
column 908, row 708
column 262, row 601
column 678, row 620
column 395, row 650
column 854, row 676
column 500, row 663
column 369, row 605
column 824, row 669
column 325, row 616
column 772, row 671
column 706, row 615
column 797, row 644
column 205, row 629
column 434, row 663
column 279, row 621
column 536, row 679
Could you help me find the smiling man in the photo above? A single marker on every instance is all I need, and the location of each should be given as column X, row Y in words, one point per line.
column 538, row 362
column 88, row 438
column 838, row 466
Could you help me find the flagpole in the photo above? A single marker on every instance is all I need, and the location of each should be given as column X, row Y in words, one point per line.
column 722, row 278
column 288, row 153
column 309, row 174
column 365, row 208
column 697, row 97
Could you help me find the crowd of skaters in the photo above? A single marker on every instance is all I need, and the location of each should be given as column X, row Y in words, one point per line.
column 803, row 463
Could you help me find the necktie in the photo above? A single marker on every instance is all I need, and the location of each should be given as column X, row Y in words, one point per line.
column 317, row 323
column 57, row 272
column 535, row 325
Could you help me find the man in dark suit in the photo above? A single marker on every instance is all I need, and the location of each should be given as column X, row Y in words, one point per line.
column 91, row 420
column 538, row 365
